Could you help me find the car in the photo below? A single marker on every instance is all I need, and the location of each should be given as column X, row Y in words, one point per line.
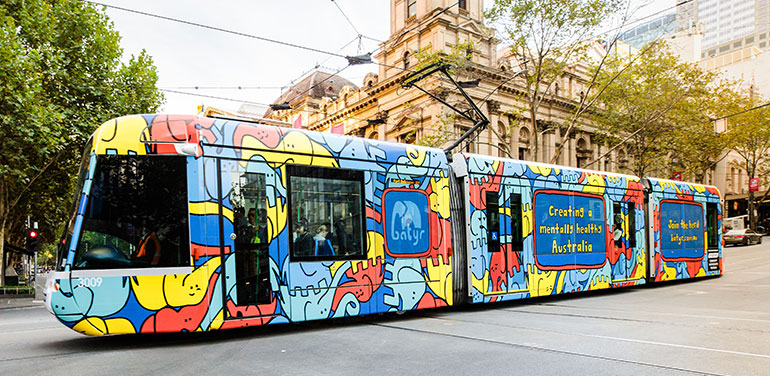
column 743, row 236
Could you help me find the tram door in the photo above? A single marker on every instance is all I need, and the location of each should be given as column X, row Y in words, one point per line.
column 623, row 227
column 245, row 238
column 504, row 240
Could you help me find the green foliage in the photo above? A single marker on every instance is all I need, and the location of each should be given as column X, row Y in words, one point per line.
column 47, row 255
column 749, row 137
column 60, row 76
column 545, row 37
column 657, row 101
column 458, row 57
column 5, row 290
column 440, row 136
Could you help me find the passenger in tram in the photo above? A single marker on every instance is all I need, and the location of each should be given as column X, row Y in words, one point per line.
column 323, row 247
column 250, row 227
column 303, row 241
column 261, row 226
column 341, row 238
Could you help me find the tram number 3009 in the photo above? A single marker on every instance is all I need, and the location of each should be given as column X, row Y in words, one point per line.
column 90, row 282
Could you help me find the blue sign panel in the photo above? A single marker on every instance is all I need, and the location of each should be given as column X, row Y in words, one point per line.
column 681, row 230
column 569, row 230
column 405, row 218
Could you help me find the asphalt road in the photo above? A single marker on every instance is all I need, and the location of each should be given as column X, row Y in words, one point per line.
column 715, row 326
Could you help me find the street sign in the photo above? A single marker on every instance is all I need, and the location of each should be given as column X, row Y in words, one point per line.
column 754, row 185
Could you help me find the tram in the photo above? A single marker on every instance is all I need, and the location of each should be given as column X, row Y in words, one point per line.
column 184, row 223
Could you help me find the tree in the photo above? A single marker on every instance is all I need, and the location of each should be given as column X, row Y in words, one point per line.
column 698, row 147
column 60, row 76
column 749, row 138
column 546, row 36
column 643, row 109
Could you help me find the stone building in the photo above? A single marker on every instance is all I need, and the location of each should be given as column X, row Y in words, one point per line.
column 381, row 109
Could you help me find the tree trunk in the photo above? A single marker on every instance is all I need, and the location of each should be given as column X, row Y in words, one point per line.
column 534, row 142
column 3, row 219
column 2, row 253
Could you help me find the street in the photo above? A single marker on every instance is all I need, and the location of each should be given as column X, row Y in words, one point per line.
column 717, row 326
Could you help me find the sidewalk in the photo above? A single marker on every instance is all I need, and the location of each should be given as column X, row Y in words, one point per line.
column 7, row 302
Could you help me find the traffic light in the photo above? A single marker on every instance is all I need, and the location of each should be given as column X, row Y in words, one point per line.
column 32, row 240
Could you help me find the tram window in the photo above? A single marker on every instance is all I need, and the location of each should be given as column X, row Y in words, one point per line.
column 617, row 224
column 493, row 222
column 136, row 215
column 516, row 223
column 713, row 229
column 631, row 224
column 326, row 213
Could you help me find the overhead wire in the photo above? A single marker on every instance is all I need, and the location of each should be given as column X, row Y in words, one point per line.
column 228, row 31
column 348, row 19
column 239, row 87
column 215, row 28
column 275, row 41
column 259, row 104
column 265, row 39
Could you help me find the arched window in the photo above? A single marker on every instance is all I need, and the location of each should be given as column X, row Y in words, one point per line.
column 582, row 153
column 732, row 179
column 622, row 160
column 502, row 149
column 523, row 144
column 556, row 89
column 406, row 60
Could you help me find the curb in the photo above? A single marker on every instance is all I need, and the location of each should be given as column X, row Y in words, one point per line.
column 14, row 303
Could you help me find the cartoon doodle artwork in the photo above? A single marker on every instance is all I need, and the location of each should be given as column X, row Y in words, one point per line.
column 566, row 244
column 680, row 249
column 416, row 274
column 559, row 230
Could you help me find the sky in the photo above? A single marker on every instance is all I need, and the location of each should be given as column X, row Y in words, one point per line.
column 217, row 62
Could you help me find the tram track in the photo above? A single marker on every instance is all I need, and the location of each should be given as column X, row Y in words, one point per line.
column 624, row 319
column 546, row 349
column 611, row 338
column 662, row 313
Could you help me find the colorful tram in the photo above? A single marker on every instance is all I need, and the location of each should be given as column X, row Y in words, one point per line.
column 183, row 223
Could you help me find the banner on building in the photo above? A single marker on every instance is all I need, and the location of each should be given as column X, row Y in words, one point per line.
column 298, row 122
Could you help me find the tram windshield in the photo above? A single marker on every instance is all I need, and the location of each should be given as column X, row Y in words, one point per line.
column 136, row 214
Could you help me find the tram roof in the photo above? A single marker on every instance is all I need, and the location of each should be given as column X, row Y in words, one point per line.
column 546, row 165
column 682, row 185
column 133, row 133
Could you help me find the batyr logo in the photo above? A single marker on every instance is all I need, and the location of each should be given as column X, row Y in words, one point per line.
column 406, row 229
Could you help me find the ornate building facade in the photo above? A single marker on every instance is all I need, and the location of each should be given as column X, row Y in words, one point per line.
column 381, row 109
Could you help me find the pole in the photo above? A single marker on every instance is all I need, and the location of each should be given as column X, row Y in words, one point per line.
column 34, row 266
